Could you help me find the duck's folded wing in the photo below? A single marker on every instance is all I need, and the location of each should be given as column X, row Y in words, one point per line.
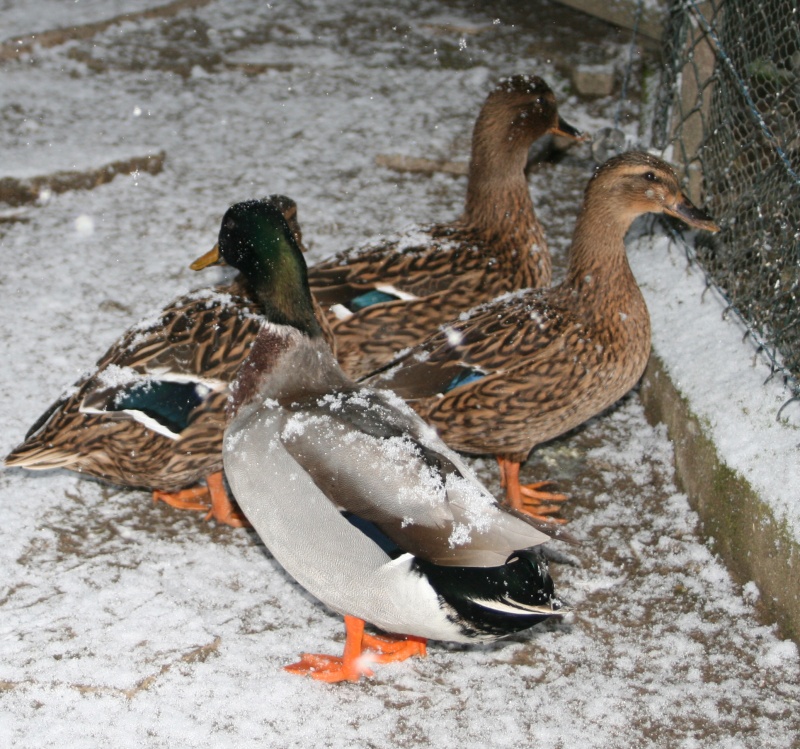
column 488, row 340
column 350, row 274
column 375, row 462
column 163, row 401
column 360, row 452
column 208, row 331
column 403, row 266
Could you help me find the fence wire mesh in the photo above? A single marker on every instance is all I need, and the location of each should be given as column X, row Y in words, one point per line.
column 729, row 108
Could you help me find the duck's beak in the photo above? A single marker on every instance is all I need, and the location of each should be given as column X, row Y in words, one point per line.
column 686, row 211
column 568, row 131
column 212, row 257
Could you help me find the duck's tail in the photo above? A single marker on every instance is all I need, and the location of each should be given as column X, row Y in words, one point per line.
column 37, row 455
column 497, row 601
column 43, row 447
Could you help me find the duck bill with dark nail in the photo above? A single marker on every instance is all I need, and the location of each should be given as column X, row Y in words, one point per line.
column 686, row 211
column 212, row 257
column 566, row 130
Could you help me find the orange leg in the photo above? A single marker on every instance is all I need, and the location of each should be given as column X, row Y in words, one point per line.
column 354, row 662
column 220, row 507
column 517, row 494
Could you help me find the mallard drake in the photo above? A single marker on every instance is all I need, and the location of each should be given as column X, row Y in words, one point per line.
column 152, row 412
column 354, row 494
column 390, row 294
column 529, row 366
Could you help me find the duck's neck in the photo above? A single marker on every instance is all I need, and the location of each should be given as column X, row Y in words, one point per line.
column 499, row 207
column 497, row 190
column 598, row 270
column 288, row 304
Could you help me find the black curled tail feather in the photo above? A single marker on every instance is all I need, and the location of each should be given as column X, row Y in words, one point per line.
column 490, row 602
column 532, row 586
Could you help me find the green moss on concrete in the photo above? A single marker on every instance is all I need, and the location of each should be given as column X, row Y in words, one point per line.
column 739, row 523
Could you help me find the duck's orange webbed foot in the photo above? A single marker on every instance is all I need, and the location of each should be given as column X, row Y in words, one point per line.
column 529, row 498
column 185, row 499
column 328, row 668
column 354, row 663
column 211, row 499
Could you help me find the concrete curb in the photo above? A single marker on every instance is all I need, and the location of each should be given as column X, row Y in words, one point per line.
column 740, row 526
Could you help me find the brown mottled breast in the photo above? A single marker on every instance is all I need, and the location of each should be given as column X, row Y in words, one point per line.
column 264, row 355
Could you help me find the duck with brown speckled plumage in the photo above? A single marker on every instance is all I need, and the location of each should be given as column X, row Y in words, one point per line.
column 530, row 366
column 388, row 295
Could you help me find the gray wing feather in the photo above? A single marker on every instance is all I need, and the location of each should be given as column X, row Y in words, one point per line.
column 378, row 460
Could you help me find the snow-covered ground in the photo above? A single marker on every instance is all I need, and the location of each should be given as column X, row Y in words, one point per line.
column 128, row 624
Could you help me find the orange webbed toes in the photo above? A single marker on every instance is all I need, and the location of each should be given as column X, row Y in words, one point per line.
column 528, row 498
column 228, row 516
column 185, row 499
column 211, row 499
column 354, row 663
column 540, row 513
column 534, row 492
column 532, row 503
column 388, row 650
column 328, row 668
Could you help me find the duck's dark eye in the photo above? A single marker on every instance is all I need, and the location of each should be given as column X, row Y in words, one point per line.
column 539, row 101
column 650, row 177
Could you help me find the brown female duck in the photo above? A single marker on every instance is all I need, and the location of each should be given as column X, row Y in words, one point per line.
column 530, row 366
column 152, row 412
column 384, row 297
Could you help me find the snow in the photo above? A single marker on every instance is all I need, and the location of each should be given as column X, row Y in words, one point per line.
column 114, row 376
column 124, row 623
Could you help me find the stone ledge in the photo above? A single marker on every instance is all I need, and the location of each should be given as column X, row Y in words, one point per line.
column 16, row 191
column 623, row 13
column 18, row 46
column 739, row 524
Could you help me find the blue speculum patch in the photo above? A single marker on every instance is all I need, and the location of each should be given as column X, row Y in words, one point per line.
column 169, row 403
column 463, row 378
column 368, row 299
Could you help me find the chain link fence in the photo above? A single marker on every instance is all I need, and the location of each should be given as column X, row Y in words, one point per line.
column 728, row 114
